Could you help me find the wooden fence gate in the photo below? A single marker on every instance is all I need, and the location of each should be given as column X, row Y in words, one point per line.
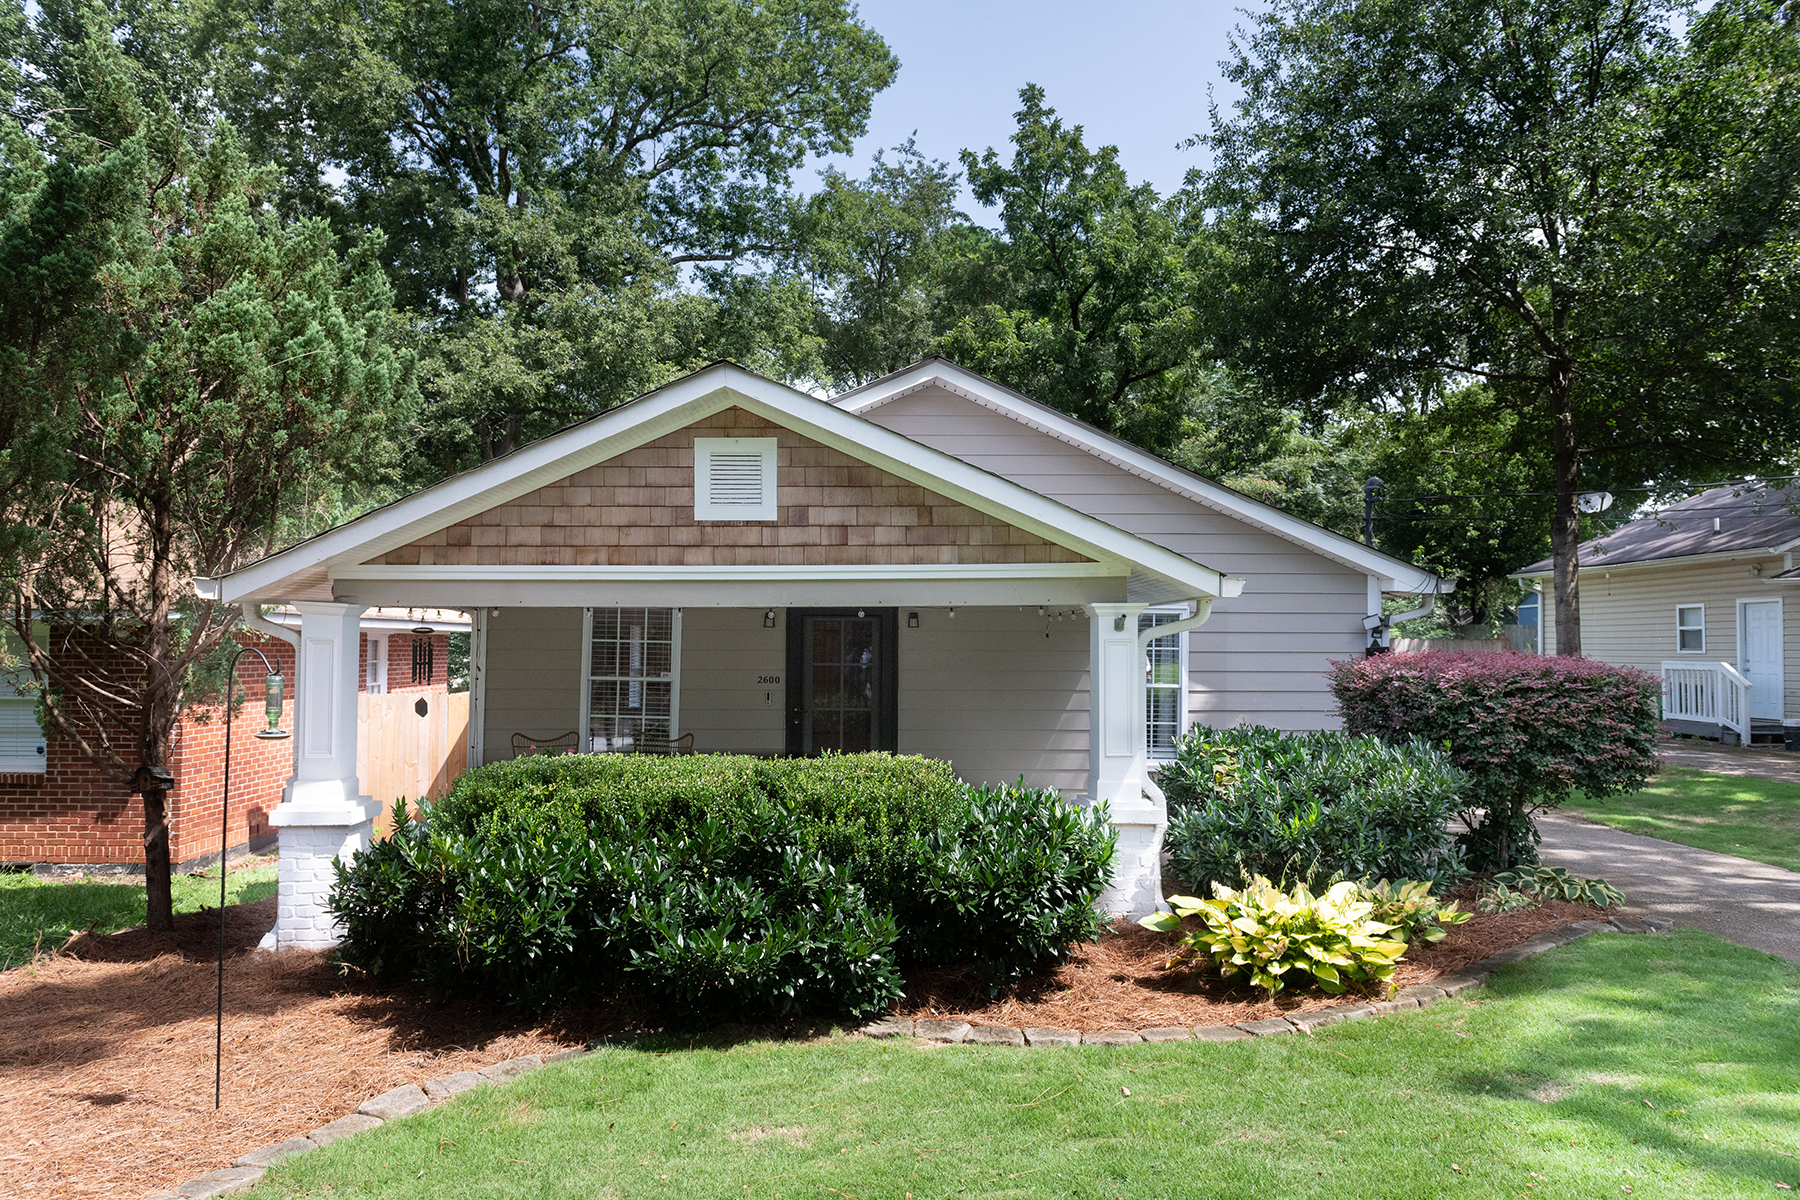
column 410, row 745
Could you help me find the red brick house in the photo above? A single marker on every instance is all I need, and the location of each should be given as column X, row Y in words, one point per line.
column 57, row 809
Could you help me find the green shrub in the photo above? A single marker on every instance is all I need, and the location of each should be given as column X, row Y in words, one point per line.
column 1529, row 731
column 1410, row 910
column 721, row 885
column 1309, row 808
column 1262, row 932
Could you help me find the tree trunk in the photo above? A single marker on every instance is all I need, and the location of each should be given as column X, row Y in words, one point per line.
column 1565, row 521
column 157, row 871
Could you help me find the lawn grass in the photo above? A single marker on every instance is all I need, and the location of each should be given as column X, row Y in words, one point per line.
column 42, row 913
column 1733, row 814
column 1618, row 1066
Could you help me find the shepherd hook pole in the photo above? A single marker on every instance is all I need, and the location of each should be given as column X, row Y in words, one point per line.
column 272, row 690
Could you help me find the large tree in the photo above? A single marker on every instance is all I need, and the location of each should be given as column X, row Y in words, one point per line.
column 176, row 364
column 1084, row 300
column 1587, row 205
column 570, row 190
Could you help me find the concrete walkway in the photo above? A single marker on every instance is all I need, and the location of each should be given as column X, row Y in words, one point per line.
column 1747, row 902
column 1761, row 762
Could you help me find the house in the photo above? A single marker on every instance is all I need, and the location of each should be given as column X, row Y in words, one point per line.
column 929, row 564
column 58, row 810
column 1695, row 593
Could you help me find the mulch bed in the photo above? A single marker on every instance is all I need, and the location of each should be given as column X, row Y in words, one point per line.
column 106, row 1049
column 1119, row 982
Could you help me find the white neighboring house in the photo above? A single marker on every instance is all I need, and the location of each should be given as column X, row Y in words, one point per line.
column 1696, row 594
column 929, row 564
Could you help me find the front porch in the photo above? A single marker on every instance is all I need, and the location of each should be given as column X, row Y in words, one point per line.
column 1058, row 696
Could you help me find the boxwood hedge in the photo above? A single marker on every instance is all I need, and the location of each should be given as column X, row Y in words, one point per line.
column 719, row 886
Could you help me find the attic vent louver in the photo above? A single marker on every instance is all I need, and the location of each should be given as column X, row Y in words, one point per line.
column 734, row 479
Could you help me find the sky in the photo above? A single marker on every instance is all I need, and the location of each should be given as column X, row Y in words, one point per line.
column 1133, row 73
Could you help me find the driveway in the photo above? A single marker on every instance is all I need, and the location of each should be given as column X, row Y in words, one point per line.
column 1747, row 902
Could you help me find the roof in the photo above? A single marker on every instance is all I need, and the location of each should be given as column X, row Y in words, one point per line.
column 306, row 568
column 1396, row 574
column 1746, row 518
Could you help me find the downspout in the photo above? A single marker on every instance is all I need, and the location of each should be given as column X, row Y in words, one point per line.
column 1202, row 611
column 209, row 589
column 263, row 625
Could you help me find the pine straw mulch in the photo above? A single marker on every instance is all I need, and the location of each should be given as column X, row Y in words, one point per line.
column 106, row 1048
column 106, row 1053
column 1119, row 982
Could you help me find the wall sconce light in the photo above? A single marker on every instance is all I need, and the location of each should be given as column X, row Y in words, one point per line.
column 769, row 619
column 1119, row 623
column 953, row 612
column 912, row 620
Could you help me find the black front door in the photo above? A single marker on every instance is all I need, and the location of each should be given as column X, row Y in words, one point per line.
column 842, row 684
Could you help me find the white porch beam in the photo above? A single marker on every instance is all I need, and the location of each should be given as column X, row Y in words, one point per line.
column 924, row 586
column 322, row 816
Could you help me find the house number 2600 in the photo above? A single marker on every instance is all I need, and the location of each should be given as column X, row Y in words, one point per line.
column 762, row 679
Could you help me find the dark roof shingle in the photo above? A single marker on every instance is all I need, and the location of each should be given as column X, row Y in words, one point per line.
column 1722, row 520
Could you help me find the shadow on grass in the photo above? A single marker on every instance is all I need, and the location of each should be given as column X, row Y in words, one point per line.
column 1694, row 1061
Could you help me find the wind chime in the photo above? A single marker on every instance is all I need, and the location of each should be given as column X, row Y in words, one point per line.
column 424, row 663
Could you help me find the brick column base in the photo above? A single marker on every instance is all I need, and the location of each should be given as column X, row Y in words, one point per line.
column 1136, row 887
column 306, row 874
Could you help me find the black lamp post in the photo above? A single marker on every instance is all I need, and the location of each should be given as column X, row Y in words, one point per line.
column 273, row 687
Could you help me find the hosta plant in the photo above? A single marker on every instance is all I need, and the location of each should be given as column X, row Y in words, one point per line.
column 1498, row 898
column 1554, row 883
column 1281, row 939
column 1409, row 907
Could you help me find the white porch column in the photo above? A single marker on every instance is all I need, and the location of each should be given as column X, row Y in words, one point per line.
column 321, row 816
column 1117, row 771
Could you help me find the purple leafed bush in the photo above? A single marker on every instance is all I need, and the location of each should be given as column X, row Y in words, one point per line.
column 1529, row 730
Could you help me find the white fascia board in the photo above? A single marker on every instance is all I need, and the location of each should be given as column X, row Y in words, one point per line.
column 1395, row 575
column 934, row 585
column 739, row 574
column 988, row 493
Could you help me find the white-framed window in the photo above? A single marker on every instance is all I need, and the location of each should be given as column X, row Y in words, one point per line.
column 22, row 750
column 1165, row 674
column 1690, row 628
column 734, row 479
column 375, row 672
column 631, row 677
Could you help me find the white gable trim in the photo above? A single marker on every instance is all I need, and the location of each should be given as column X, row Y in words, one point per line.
column 674, row 407
column 1392, row 574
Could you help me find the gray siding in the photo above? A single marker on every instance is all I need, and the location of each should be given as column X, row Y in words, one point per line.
column 724, row 653
column 533, row 678
column 1628, row 615
column 988, row 691
column 1263, row 655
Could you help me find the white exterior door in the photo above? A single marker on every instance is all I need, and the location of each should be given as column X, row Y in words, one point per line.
column 1759, row 654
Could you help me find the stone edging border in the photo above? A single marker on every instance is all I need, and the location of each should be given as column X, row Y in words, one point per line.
column 410, row 1099
column 1462, row 980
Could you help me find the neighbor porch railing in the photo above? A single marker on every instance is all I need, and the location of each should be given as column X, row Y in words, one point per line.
column 1714, row 692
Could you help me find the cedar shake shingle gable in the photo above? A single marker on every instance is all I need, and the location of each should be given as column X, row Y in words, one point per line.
column 638, row 510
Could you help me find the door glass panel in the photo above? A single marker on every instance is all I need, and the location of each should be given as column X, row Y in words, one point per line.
column 842, row 684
